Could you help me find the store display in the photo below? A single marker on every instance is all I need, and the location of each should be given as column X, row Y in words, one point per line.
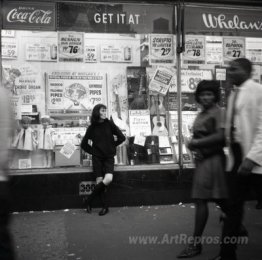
column 121, row 55
column 45, row 141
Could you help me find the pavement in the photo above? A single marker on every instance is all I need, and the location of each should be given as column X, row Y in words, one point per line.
column 126, row 233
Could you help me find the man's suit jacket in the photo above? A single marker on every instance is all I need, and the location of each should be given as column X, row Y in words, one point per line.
column 249, row 123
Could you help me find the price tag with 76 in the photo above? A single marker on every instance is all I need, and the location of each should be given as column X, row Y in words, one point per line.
column 71, row 49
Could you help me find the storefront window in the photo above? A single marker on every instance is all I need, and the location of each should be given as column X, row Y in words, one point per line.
column 215, row 35
column 61, row 59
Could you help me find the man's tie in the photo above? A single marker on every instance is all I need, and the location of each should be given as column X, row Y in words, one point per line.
column 232, row 122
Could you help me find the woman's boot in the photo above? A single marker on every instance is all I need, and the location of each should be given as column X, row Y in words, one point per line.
column 99, row 188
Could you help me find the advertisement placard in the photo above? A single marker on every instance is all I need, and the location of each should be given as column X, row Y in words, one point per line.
column 75, row 90
column 29, row 16
column 161, row 80
column 161, row 49
column 71, row 46
column 194, row 50
column 233, row 48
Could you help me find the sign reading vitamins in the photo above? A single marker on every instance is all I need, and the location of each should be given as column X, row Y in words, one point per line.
column 161, row 49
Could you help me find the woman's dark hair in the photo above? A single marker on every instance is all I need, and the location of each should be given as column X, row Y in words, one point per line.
column 208, row 85
column 96, row 113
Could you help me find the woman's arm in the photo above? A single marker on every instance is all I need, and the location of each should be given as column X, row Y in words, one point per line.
column 116, row 131
column 213, row 139
column 84, row 144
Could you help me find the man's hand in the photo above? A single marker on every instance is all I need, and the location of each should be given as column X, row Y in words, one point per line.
column 246, row 167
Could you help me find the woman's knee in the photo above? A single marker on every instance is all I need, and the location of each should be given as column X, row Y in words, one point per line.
column 108, row 178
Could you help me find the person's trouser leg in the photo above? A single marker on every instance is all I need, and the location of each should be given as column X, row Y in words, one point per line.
column 6, row 245
column 235, row 208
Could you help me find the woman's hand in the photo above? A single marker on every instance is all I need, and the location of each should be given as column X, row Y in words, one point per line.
column 191, row 144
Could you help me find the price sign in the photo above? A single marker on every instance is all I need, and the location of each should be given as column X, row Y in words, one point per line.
column 233, row 48
column 190, row 79
column 8, row 33
column 194, row 50
column 28, row 99
column 9, row 48
column 71, row 47
column 90, row 53
column 161, row 49
column 161, row 80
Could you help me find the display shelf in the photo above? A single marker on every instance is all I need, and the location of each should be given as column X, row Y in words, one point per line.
column 80, row 169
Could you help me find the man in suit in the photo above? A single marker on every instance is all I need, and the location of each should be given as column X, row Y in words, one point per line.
column 244, row 140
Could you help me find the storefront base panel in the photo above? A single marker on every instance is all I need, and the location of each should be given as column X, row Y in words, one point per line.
column 129, row 188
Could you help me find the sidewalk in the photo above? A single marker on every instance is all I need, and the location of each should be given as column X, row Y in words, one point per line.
column 127, row 233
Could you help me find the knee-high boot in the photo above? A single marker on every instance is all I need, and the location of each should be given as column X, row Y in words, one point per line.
column 99, row 188
column 104, row 201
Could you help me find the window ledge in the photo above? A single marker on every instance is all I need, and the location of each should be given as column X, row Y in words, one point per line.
column 80, row 169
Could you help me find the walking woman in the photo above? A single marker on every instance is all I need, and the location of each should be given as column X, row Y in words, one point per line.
column 101, row 139
column 209, row 182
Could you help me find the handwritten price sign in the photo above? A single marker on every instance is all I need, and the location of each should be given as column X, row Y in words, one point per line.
column 9, row 48
column 90, row 54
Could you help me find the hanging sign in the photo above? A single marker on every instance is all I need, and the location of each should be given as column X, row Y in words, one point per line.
column 161, row 80
column 233, row 48
column 25, row 15
column 194, row 50
column 161, row 49
column 71, row 46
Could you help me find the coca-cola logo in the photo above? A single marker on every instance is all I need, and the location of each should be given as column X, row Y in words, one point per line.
column 37, row 16
column 235, row 23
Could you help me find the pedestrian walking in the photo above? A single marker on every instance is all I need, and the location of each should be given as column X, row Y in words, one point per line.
column 100, row 140
column 243, row 131
column 209, row 183
column 6, row 245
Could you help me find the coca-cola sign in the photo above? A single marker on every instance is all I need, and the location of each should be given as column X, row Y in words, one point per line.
column 223, row 21
column 38, row 16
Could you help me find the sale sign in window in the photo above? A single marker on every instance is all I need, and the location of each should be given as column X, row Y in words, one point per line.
column 71, row 46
